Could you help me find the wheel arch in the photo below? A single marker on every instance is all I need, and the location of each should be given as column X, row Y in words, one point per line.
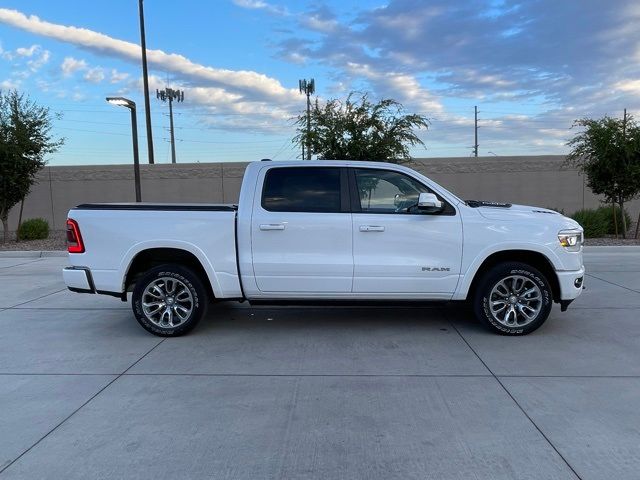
column 533, row 258
column 148, row 258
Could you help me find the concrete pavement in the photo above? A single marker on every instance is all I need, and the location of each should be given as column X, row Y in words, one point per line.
column 318, row 393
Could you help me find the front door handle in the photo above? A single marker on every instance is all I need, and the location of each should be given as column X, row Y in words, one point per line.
column 272, row 226
column 371, row 228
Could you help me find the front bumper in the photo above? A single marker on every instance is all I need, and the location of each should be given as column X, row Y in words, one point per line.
column 571, row 284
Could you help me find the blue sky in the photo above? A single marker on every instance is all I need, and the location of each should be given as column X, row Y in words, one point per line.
column 531, row 67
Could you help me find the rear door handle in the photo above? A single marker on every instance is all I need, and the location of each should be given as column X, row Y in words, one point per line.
column 371, row 228
column 272, row 226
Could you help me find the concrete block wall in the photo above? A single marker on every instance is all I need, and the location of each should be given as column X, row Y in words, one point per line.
column 535, row 180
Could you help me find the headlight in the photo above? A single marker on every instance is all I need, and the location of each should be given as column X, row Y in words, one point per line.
column 571, row 239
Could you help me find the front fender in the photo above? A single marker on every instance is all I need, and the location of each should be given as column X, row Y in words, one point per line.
column 474, row 265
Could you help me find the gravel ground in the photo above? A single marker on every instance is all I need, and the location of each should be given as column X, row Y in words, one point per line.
column 57, row 241
column 611, row 241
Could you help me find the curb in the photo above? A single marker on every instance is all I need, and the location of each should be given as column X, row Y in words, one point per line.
column 32, row 253
column 611, row 248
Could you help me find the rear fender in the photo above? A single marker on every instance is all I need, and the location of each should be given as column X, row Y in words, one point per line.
column 209, row 269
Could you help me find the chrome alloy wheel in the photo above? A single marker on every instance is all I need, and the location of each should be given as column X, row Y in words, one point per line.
column 515, row 301
column 167, row 302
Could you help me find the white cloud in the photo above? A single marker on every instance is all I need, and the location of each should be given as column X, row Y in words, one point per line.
column 39, row 61
column 117, row 77
column 9, row 84
column 261, row 5
column 43, row 85
column 218, row 108
column 71, row 65
column 630, row 86
column 399, row 86
column 253, row 84
column 94, row 75
column 27, row 51
column 295, row 57
column 320, row 24
column 37, row 57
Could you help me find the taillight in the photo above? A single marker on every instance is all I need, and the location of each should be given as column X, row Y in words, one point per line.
column 74, row 239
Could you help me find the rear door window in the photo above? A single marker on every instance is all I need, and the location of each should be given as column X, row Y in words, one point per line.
column 302, row 189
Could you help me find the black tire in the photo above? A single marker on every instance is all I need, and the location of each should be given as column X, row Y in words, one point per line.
column 507, row 270
column 184, row 279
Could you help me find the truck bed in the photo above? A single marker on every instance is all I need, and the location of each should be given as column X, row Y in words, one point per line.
column 114, row 233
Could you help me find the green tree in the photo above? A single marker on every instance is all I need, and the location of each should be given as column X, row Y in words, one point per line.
column 607, row 151
column 358, row 129
column 25, row 140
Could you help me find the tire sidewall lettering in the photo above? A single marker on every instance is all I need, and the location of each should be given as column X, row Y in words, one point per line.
column 193, row 318
column 546, row 301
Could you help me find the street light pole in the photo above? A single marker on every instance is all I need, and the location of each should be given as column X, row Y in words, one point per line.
column 136, row 158
column 131, row 105
column 145, row 81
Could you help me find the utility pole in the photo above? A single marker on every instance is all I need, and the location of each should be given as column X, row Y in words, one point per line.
column 169, row 95
column 145, row 80
column 626, row 157
column 308, row 88
column 475, row 143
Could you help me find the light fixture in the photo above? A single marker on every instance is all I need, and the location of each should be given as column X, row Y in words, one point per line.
column 122, row 102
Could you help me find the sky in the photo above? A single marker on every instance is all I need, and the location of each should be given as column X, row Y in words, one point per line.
column 531, row 67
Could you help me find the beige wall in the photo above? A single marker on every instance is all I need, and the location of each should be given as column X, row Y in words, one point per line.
column 535, row 180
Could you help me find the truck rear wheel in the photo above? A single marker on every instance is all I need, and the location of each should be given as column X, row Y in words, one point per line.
column 513, row 299
column 169, row 300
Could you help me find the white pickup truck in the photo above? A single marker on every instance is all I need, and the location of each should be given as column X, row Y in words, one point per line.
column 328, row 231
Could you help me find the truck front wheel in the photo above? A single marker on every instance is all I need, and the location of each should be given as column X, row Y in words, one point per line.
column 169, row 300
column 513, row 299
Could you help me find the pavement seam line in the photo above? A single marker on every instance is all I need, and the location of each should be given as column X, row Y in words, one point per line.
column 612, row 283
column 515, row 401
column 20, row 264
column 80, row 407
column 310, row 375
column 34, row 299
column 417, row 375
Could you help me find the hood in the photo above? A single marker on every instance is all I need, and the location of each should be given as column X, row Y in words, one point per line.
column 507, row 211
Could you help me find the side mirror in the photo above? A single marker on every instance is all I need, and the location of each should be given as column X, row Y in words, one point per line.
column 429, row 202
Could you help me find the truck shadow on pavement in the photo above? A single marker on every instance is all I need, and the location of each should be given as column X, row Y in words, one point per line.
column 233, row 315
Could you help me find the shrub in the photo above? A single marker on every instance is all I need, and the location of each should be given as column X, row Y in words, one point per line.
column 607, row 212
column 599, row 222
column 34, row 229
column 594, row 223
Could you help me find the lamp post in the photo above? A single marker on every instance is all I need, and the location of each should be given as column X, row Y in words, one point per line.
column 131, row 105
